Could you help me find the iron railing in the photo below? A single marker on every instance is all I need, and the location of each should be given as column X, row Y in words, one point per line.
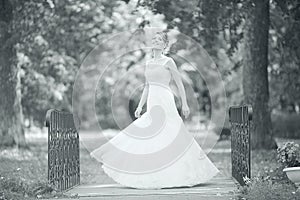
column 240, row 118
column 63, row 150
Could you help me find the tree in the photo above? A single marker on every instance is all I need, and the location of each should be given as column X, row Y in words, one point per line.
column 285, row 55
column 11, row 129
column 255, row 73
column 208, row 22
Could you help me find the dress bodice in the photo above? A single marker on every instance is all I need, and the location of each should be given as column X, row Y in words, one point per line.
column 157, row 72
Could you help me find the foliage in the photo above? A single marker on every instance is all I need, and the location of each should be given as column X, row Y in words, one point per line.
column 204, row 21
column 219, row 26
column 284, row 55
column 52, row 37
column 23, row 173
column 264, row 163
column 13, row 188
column 18, row 189
column 289, row 155
column 263, row 188
column 286, row 125
column 268, row 180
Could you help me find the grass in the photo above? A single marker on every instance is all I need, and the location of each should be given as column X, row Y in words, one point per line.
column 268, row 181
column 23, row 172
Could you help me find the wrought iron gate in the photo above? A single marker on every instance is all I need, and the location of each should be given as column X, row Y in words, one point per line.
column 240, row 118
column 63, row 150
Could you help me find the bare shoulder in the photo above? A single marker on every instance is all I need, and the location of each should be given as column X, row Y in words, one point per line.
column 170, row 62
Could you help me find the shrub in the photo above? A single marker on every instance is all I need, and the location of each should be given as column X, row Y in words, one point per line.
column 289, row 155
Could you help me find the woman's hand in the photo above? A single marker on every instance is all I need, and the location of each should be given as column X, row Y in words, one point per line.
column 185, row 110
column 137, row 112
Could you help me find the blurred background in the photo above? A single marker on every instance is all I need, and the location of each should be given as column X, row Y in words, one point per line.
column 44, row 44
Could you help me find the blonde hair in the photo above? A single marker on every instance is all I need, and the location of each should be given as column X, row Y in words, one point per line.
column 164, row 37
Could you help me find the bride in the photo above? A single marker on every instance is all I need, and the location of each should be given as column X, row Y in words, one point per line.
column 156, row 150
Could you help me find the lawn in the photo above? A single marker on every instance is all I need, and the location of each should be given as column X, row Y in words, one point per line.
column 23, row 172
column 268, row 181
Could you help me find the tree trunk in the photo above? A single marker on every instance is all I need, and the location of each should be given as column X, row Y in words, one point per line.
column 11, row 129
column 255, row 74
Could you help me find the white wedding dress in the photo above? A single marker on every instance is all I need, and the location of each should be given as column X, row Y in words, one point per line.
column 156, row 150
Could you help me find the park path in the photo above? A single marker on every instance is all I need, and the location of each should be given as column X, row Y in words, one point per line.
column 222, row 186
column 97, row 186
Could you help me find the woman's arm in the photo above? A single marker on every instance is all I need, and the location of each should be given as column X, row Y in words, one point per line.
column 176, row 75
column 144, row 95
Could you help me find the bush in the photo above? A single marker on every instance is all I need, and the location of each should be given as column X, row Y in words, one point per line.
column 264, row 189
column 289, row 155
column 286, row 125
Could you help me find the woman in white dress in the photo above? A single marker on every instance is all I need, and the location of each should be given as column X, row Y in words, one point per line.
column 156, row 150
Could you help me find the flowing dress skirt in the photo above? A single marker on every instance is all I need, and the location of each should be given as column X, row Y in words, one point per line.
column 156, row 150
